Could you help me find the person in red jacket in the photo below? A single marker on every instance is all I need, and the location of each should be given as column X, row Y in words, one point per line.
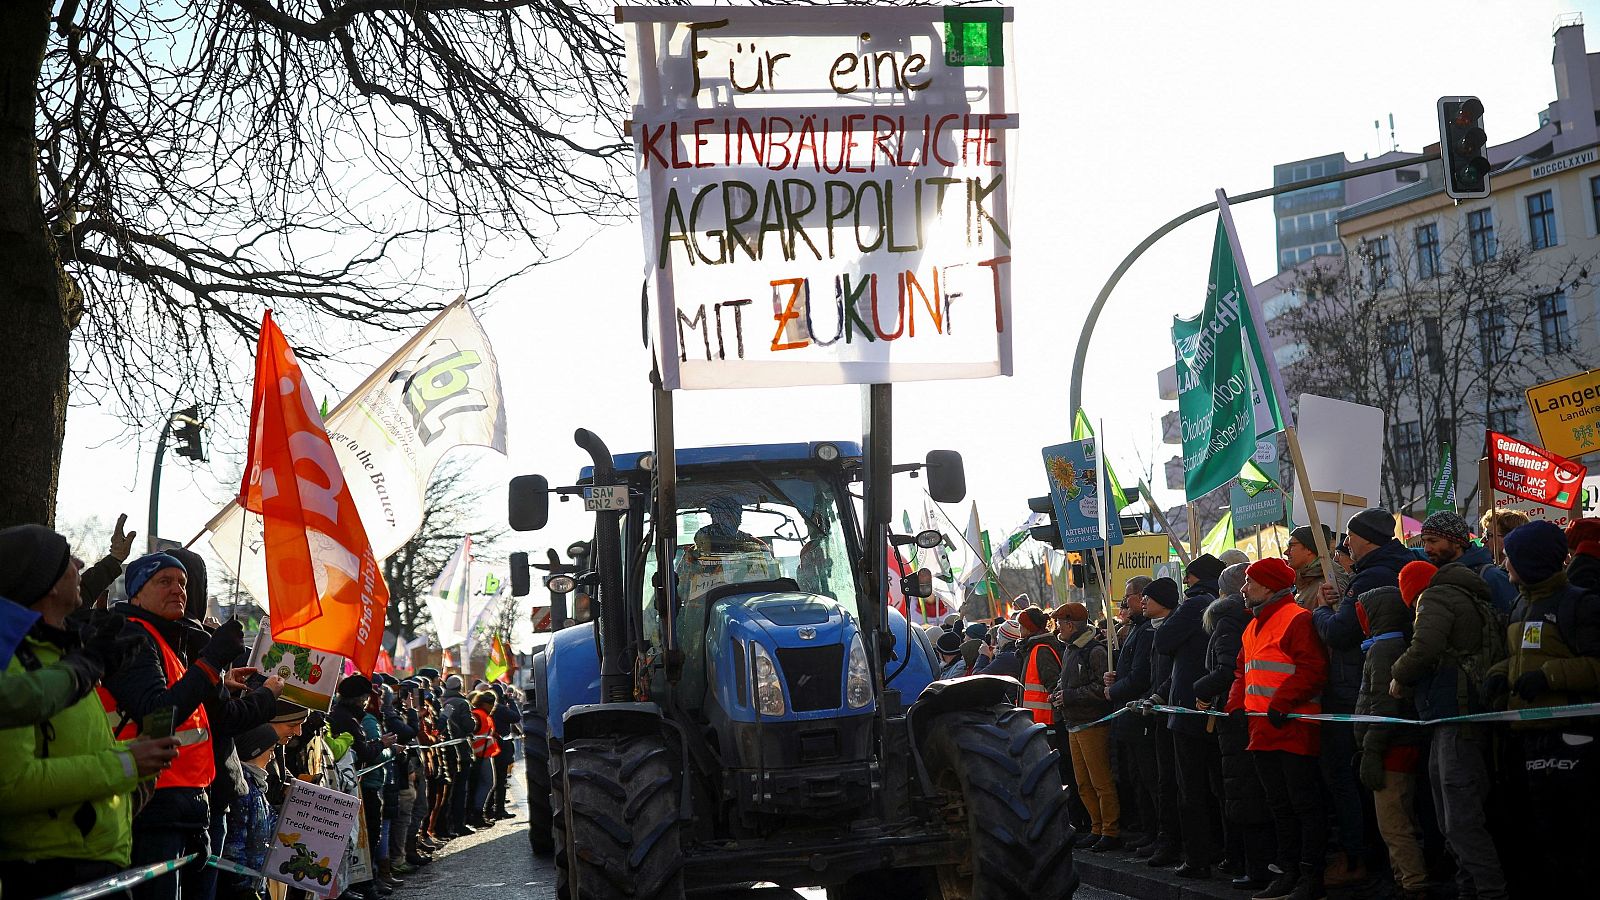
column 1281, row 671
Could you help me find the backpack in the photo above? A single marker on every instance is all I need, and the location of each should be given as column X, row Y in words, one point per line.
column 1475, row 666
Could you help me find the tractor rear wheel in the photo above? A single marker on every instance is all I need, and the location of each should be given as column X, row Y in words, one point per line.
column 998, row 768
column 622, row 812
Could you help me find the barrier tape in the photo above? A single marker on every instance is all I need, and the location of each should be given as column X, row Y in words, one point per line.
column 412, row 748
column 122, row 880
column 1530, row 714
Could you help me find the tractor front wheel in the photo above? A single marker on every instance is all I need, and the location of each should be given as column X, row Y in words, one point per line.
column 622, row 814
column 541, row 838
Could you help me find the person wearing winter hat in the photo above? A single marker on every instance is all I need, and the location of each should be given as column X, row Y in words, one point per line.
column 251, row 820
column 1554, row 644
column 951, row 665
column 1008, row 636
column 1446, row 539
column 1455, row 639
column 65, row 785
column 1180, row 647
column 1039, row 658
column 1161, row 597
column 1583, row 539
column 1391, row 754
column 1379, row 556
column 1233, row 556
column 33, row 562
column 1080, row 699
column 1301, row 552
column 1248, row 832
column 1134, row 736
column 179, row 664
column 952, row 622
column 1282, row 669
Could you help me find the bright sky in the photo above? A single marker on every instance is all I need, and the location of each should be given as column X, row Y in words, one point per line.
column 1131, row 114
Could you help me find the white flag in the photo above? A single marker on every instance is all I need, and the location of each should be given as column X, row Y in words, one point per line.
column 976, row 569
column 438, row 392
column 449, row 600
column 402, row 651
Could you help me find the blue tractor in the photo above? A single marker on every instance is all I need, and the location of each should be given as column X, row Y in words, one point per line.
column 745, row 706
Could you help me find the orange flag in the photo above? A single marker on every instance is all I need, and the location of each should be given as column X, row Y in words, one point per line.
column 325, row 589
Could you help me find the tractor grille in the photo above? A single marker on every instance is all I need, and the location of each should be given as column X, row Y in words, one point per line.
column 813, row 675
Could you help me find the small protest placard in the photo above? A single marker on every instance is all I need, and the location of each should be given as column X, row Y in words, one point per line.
column 308, row 675
column 313, row 832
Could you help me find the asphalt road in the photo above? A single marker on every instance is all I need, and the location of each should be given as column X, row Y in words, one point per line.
column 496, row 864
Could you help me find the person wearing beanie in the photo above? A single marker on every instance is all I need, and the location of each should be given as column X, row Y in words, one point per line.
column 1248, row 834
column 1379, row 556
column 1164, row 593
column 1008, row 637
column 1391, row 755
column 1456, row 637
column 951, row 664
column 1583, row 540
column 1080, row 698
column 1161, row 597
column 1554, row 660
column 353, row 717
column 1180, row 648
column 977, row 631
column 1233, row 556
column 952, row 622
column 66, row 783
column 251, row 819
column 1204, row 569
column 1135, row 735
column 179, row 664
column 1414, row 579
column 1039, row 657
column 1446, row 539
column 456, row 710
column 1282, row 669
column 1301, row 552
column 30, row 556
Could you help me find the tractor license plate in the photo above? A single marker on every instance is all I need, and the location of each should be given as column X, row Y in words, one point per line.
column 602, row 497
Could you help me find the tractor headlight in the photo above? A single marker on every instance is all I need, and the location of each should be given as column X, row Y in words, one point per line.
column 769, row 687
column 858, row 680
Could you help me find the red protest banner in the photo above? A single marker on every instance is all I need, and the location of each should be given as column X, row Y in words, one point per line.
column 1534, row 473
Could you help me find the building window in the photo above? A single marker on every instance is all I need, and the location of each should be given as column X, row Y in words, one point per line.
column 1398, row 358
column 1433, row 344
column 1594, row 200
column 1406, row 438
column 1553, row 322
column 1480, row 235
column 1505, row 419
column 1542, row 221
column 1379, row 257
column 1492, row 335
column 1427, row 237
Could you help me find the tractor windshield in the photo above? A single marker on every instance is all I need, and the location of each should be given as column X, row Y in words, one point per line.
column 748, row 526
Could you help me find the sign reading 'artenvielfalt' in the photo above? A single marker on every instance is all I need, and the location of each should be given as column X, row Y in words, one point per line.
column 824, row 197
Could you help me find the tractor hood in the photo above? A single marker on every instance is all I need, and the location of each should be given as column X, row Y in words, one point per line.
column 807, row 636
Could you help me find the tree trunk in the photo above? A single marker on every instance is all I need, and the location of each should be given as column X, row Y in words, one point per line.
column 39, row 304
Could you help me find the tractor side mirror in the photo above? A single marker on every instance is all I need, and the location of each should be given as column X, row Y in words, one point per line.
column 917, row 584
column 947, row 477
column 521, row 584
column 528, row 503
column 929, row 539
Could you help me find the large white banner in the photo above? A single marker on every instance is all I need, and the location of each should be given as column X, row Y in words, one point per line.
column 825, row 195
column 440, row 391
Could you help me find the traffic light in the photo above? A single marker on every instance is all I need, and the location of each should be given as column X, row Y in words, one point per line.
column 1047, row 533
column 1462, row 147
column 187, row 431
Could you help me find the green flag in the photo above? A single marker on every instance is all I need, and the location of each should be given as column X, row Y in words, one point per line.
column 1442, row 490
column 1225, row 394
column 1080, row 430
column 1254, row 479
column 1220, row 537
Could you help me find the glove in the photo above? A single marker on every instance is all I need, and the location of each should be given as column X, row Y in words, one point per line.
column 1495, row 687
column 225, row 646
column 1372, row 776
column 107, row 640
column 1277, row 717
column 1532, row 684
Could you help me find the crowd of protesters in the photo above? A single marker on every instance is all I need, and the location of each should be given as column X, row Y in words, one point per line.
column 133, row 733
column 1239, row 785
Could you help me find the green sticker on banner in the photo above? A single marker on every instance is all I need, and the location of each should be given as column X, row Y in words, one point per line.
column 972, row 37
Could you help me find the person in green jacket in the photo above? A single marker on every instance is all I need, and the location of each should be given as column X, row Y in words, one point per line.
column 28, row 557
column 65, row 784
